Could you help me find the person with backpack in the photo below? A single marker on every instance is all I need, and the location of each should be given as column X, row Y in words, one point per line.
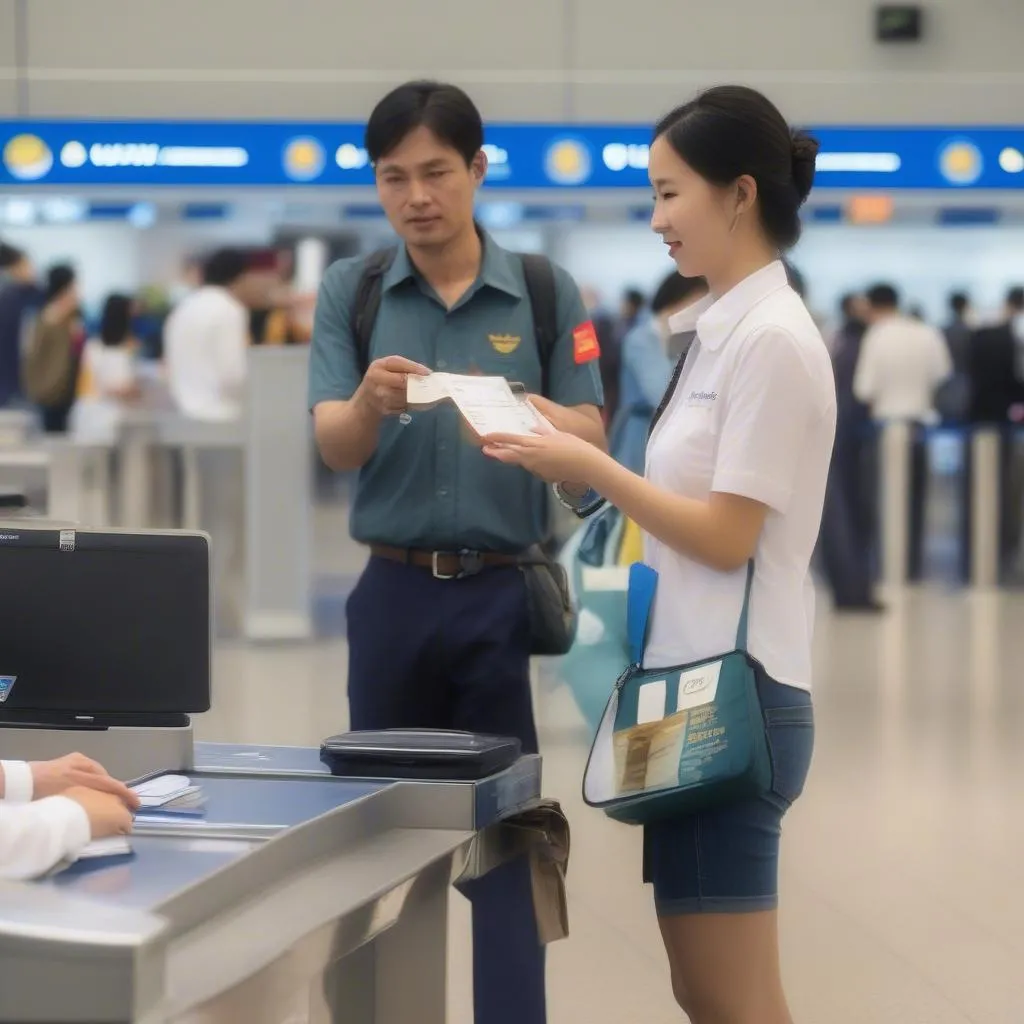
column 50, row 367
column 439, row 629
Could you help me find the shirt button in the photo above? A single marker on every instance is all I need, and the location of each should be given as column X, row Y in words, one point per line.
column 442, row 492
column 441, row 364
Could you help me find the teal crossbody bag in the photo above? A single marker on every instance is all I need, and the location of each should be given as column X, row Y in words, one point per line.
column 677, row 740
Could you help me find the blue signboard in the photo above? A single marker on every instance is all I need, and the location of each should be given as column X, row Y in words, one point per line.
column 521, row 157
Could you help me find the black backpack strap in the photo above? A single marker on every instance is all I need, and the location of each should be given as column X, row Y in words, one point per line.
column 366, row 303
column 540, row 286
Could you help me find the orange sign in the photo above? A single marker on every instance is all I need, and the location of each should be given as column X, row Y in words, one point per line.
column 585, row 347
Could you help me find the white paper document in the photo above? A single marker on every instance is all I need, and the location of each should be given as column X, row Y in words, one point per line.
column 486, row 403
column 162, row 790
column 113, row 846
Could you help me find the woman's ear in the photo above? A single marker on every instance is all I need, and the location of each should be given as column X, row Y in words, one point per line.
column 746, row 194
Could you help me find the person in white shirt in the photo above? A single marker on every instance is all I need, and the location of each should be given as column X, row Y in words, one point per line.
column 902, row 362
column 206, row 342
column 736, row 470
column 50, row 810
column 107, row 379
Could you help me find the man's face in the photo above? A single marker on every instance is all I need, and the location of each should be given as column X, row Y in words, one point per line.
column 426, row 189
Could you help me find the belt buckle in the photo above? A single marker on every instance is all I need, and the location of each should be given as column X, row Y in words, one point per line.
column 470, row 564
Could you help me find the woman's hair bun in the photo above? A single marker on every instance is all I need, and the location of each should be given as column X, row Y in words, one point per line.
column 805, row 154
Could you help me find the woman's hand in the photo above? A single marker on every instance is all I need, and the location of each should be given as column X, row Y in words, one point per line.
column 553, row 456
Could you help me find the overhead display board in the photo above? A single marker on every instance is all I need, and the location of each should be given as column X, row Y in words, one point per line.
column 521, row 156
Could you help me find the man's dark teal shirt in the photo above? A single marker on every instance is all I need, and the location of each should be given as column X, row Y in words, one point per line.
column 427, row 485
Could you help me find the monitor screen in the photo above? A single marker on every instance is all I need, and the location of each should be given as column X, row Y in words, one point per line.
column 103, row 623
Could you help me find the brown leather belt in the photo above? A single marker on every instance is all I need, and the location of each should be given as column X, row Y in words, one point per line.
column 445, row 565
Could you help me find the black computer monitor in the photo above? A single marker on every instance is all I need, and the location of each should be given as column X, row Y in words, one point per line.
column 103, row 627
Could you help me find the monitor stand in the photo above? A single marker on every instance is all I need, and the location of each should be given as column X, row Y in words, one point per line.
column 127, row 751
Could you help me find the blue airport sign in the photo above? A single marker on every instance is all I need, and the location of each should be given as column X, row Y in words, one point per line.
column 521, row 156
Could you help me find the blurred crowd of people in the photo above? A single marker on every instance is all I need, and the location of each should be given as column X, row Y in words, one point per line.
column 80, row 372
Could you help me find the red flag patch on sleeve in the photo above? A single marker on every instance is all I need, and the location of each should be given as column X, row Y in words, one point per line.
column 585, row 347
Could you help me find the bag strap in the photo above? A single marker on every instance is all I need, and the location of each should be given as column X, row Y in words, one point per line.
column 643, row 582
column 543, row 293
column 366, row 303
column 741, row 630
column 672, row 384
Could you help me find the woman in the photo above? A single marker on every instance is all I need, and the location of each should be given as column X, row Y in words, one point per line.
column 107, row 379
column 736, row 470
column 51, row 361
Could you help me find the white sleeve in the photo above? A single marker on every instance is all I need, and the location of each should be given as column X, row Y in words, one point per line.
column 864, row 384
column 772, row 403
column 35, row 837
column 232, row 350
column 19, row 785
column 943, row 359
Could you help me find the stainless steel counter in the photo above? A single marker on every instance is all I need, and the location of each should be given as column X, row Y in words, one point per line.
column 296, row 897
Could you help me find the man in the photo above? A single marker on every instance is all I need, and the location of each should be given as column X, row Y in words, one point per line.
column 206, row 346
column 994, row 370
column 75, row 801
column 847, row 528
column 647, row 367
column 19, row 297
column 902, row 362
column 206, row 341
column 437, row 624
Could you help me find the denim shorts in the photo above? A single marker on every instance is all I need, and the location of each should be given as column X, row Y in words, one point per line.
column 726, row 860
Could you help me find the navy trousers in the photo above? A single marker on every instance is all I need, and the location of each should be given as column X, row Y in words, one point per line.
column 454, row 654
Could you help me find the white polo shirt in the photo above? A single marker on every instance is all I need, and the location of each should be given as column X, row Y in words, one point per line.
column 901, row 364
column 754, row 414
column 206, row 344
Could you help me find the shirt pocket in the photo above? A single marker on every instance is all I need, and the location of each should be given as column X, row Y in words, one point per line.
column 683, row 458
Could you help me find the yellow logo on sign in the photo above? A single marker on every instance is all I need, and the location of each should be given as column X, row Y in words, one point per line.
column 506, row 344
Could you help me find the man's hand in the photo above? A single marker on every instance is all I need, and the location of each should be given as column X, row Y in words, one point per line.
column 383, row 388
column 108, row 816
column 50, row 778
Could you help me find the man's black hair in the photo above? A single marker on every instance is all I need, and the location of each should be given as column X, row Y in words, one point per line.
column 634, row 297
column 444, row 109
column 9, row 256
column 958, row 303
column 225, row 267
column 883, row 296
column 676, row 289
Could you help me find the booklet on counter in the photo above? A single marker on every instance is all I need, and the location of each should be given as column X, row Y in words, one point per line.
column 487, row 404
column 169, row 795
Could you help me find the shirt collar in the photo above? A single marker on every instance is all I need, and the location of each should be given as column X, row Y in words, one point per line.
column 496, row 269
column 714, row 319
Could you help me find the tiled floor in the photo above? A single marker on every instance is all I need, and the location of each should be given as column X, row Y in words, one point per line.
column 902, row 894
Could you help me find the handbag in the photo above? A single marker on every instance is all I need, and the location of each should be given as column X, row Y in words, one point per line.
column 677, row 740
column 552, row 611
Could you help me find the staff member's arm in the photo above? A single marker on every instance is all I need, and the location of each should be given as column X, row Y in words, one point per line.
column 34, row 837
column 770, row 407
column 348, row 408
column 22, row 781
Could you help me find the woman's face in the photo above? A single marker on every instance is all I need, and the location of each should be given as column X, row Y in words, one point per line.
column 694, row 217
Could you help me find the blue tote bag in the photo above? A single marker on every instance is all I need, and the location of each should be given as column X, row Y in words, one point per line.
column 677, row 740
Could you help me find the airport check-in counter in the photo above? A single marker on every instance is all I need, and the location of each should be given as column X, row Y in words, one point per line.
column 293, row 895
column 297, row 897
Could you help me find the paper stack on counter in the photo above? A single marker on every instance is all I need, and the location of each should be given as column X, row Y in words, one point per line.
column 488, row 404
column 169, row 794
column 114, row 846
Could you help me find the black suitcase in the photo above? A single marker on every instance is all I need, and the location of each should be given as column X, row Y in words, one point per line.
column 427, row 754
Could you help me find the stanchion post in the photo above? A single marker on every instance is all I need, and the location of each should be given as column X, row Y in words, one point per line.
column 985, row 502
column 895, row 488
